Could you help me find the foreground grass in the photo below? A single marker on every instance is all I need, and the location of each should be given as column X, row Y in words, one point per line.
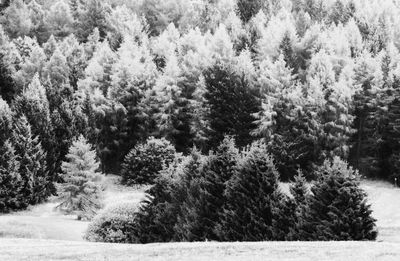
column 45, row 222
column 43, row 250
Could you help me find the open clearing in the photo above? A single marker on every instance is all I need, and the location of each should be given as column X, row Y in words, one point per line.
column 45, row 234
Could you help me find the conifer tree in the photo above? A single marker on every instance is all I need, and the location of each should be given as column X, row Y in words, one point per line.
column 6, row 120
column 248, row 8
column 248, row 212
column 82, row 192
column 205, row 187
column 300, row 193
column 7, row 85
column 337, row 208
column 10, row 180
column 232, row 104
column 158, row 213
column 189, row 225
column 36, row 183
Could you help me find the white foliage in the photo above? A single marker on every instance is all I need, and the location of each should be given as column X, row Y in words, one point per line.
column 279, row 25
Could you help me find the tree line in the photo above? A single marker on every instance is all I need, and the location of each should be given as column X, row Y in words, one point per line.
column 313, row 79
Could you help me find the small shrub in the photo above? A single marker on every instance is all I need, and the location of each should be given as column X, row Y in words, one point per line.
column 142, row 163
column 114, row 225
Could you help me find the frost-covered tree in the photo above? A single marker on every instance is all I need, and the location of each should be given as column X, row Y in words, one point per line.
column 81, row 192
column 98, row 71
column 33, row 64
column 59, row 19
column 16, row 19
column 91, row 14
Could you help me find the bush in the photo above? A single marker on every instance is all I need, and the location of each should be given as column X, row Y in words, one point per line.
column 142, row 163
column 114, row 225
column 337, row 208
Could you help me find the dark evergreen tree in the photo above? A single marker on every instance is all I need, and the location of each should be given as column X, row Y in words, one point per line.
column 189, row 226
column 300, row 192
column 248, row 8
column 158, row 213
column 390, row 131
column 92, row 15
column 10, row 180
column 204, row 192
column 250, row 193
column 37, row 185
column 233, row 103
column 337, row 208
column 289, row 54
column 7, row 85
column 6, row 121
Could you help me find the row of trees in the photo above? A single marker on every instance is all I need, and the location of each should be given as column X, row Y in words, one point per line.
column 233, row 195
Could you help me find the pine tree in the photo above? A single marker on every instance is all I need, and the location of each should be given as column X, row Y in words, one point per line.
column 37, row 184
column 204, row 192
column 6, row 120
column 10, row 180
column 390, row 146
column 189, row 225
column 248, row 8
column 337, row 208
column 82, row 192
column 300, row 193
column 232, row 104
column 248, row 212
column 92, row 15
column 368, row 80
column 158, row 213
column 7, row 85
column 172, row 107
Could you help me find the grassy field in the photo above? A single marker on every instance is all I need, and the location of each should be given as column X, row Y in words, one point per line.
column 42, row 250
column 44, row 222
column 41, row 233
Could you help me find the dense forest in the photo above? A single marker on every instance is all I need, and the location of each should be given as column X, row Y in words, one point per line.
column 304, row 81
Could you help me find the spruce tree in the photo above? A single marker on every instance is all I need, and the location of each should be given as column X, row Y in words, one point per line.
column 189, row 225
column 82, row 192
column 6, row 121
column 37, row 184
column 205, row 187
column 337, row 208
column 233, row 103
column 248, row 8
column 158, row 212
column 10, row 180
column 300, row 192
column 248, row 211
